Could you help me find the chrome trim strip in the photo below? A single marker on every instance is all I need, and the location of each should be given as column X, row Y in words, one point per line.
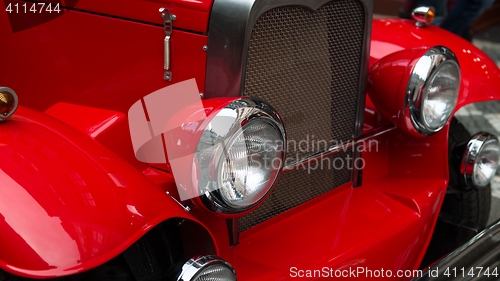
column 477, row 254
column 339, row 148
column 228, row 38
column 186, row 208
column 363, row 78
column 233, row 227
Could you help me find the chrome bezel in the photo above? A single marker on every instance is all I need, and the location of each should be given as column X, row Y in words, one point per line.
column 6, row 115
column 420, row 77
column 194, row 266
column 246, row 110
column 472, row 150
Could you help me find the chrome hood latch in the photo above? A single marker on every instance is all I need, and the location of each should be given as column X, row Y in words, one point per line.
column 167, row 28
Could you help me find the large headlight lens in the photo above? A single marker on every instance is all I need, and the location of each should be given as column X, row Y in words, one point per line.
column 239, row 156
column 432, row 91
column 246, row 169
column 440, row 96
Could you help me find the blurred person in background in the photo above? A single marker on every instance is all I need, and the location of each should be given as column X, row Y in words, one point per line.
column 453, row 15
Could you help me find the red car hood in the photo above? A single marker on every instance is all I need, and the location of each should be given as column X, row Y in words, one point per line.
column 66, row 203
column 190, row 14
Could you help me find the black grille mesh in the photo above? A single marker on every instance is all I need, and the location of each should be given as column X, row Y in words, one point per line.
column 301, row 185
column 306, row 64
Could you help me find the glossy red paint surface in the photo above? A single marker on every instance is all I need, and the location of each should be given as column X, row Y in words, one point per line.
column 104, row 63
column 480, row 75
column 87, row 70
column 108, row 127
column 389, row 98
column 190, row 15
column 98, row 66
column 67, row 203
column 390, row 231
column 90, row 121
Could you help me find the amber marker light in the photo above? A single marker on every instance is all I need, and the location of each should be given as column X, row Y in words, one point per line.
column 8, row 103
column 423, row 15
column 430, row 15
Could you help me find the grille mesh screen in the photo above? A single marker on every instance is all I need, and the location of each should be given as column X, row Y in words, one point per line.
column 306, row 64
column 301, row 185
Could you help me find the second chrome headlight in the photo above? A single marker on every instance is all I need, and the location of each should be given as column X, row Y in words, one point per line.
column 239, row 156
column 480, row 160
column 432, row 92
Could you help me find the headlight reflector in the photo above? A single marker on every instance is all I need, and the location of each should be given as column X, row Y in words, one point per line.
column 432, row 92
column 239, row 156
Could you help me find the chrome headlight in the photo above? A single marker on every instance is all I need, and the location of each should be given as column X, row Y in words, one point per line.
column 239, row 156
column 480, row 159
column 432, row 91
column 207, row 268
column 8, row 103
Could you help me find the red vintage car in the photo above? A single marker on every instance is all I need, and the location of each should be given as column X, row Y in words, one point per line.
column 263, row 139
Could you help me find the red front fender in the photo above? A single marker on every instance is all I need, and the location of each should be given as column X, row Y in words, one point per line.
column 480, row 75
column 66, row 203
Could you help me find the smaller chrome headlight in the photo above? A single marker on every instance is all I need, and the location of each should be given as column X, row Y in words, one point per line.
column 8, row 103
column 432, row 92
column 207, row 268
column 480, row 160
column 239, row 156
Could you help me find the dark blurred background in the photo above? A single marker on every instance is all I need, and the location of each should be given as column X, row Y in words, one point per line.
column 487, row 19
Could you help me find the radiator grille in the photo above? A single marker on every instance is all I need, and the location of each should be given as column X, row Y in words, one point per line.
column 306, row 63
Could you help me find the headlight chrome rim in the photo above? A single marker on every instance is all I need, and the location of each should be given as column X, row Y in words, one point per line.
column 246, row 112
column 9, row 100
column 422, row 75
column 472, row 152
column 195, row 266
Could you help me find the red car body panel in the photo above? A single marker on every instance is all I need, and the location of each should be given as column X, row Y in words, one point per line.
column 480, row 75
column 337, row 239
column 384, row 224
column 67, row 203
column 100, row 63
column 190, row 15
column 105, row 64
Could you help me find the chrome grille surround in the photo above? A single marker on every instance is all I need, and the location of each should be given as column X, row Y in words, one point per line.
column 294, row 54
